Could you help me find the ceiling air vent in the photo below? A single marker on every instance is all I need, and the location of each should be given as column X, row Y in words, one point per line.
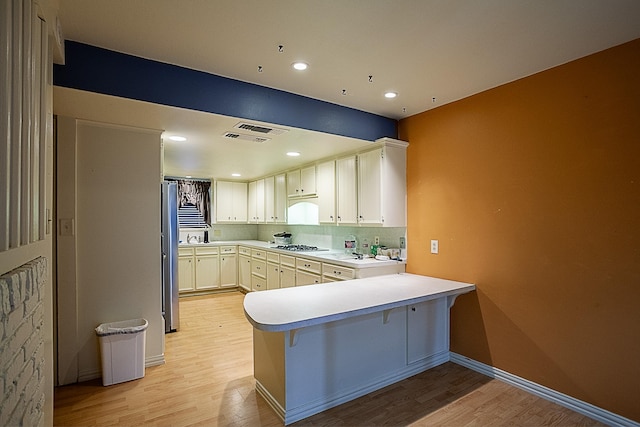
column 260, row 129
column 242, row 137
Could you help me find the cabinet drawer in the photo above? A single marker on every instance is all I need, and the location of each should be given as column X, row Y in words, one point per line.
column 209, row 250
column 288, row 260
column 308, row 265
column 258, row 253
column 273, row 257
column 259, row 268
column 244, row 250
column 227, row 250
column 258, row 283
column 185, row 251
column 338, row 271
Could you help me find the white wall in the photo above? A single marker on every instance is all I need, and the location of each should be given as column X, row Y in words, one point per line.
column 112, row 261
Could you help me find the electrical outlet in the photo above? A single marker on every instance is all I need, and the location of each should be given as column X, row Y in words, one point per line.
column 434, row 246
column 376, row 240
column 403, row 243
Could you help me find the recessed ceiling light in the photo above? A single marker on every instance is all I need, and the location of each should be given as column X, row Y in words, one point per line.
column 390, row 95
column 188, row 176
column 293, row 154
column 300, row 66
column 235, row 174
column 177, row 138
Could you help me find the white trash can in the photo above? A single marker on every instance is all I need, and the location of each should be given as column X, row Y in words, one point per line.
column 122, row 347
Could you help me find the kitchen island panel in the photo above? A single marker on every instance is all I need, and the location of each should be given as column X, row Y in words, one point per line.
column 320, row 346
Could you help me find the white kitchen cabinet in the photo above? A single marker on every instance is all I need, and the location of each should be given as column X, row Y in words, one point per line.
column 228, row 267
column 231, row 202
column 280, row 199
column 346, row 191
column 255, row 203
column 334, row 273
column 207, row 267
column 308, row 272
column 269, row 199
column 304, row 278
column 287, row 271
column 186, row 273
column 273, row 270
column 326, row 189
column 244, row 272
column 287, row 276
column 258, row 270
column 302, row 182
column 382, row 185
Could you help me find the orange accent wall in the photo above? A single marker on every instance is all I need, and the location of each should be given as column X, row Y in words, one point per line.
column 533, row 191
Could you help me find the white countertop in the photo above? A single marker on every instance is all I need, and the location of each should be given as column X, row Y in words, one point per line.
column 292, row 308
column 333, row 256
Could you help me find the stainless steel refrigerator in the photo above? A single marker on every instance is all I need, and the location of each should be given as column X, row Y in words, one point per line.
column 169, row 239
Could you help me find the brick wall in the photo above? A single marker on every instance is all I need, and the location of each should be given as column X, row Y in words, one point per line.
column 22, row 363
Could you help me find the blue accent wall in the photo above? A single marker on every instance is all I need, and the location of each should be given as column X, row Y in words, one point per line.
column 103, row 71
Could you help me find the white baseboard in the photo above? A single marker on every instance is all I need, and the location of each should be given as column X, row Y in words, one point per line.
column 562, row 399
column 154, row 360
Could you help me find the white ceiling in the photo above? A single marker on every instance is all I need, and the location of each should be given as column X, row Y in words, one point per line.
column 431, row 52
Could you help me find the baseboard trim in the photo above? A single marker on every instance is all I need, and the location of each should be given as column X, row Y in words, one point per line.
column 154, row 360
column 562, row 399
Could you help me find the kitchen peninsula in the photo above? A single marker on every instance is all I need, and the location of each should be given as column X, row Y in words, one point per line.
column 319, row 346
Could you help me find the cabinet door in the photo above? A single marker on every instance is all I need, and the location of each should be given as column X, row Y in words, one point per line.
column 370, row 187
column 273, row 276
column 280, row 200
column 185, row 274
column 293, row 183
column 304, row 278
column 244, row 272
column 287, row 276
column 347, row 196
column 228, row 271
column 207, row 272
column 260, row 202
column 239, row 209
column 224, row 201
column 326, row 186
column 308, row 181
column 252, row 208
column 269, row 199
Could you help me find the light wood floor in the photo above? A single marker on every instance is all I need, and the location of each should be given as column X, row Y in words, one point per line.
column 208, row 380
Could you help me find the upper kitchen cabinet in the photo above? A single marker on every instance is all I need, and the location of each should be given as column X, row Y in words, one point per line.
column 346, row 190
column 256, row 201
column 326, row 186
column 302, row 182
column 279, row 214
column 231, row 202
column 382, row 185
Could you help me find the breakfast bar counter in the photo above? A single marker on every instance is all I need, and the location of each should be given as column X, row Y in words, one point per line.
column 318, row 346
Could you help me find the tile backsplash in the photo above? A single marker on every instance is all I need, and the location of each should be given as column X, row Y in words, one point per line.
column 324, row 236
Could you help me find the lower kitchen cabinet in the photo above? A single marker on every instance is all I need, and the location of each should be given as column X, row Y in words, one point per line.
column 335, row 273
column 228, row 267
column 244, row 272
column 186, row 273
column 287, row 276
column 207, row 268
column 304, row 278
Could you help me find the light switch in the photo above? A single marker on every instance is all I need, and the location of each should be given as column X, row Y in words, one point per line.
column 434, row 246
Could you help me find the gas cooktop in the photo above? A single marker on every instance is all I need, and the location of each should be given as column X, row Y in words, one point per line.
column 299, row 248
